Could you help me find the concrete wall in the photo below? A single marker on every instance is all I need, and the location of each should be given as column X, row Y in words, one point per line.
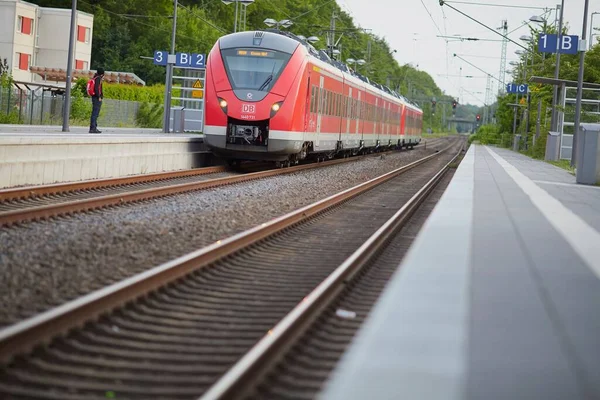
column 45, row 159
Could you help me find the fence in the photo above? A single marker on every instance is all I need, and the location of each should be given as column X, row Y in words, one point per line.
column 590, row 112
column 43, row 107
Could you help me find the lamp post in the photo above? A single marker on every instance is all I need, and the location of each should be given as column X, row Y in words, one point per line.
column 244, row 3
column 553, row 124
column 574, row 152
column 592, row 29
column 69, row 80
column 516, row 65
column 169, row 74
column 352, row 61
column 270, row 22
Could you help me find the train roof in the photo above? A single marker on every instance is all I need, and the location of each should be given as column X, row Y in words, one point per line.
column 287, row 42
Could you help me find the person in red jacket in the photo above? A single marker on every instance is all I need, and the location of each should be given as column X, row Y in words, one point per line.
column 96, row 100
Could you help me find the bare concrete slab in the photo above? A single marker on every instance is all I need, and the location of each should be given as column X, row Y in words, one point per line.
column 498, row 297
column 46, row 155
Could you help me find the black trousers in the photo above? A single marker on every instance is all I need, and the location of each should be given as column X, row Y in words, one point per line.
column 96, row 105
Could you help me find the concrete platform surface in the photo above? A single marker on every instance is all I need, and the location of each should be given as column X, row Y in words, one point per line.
column 498, row 297
column 44, row 157
column 45, row 129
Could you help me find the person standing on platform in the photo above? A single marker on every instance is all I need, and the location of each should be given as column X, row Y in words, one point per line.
column 94, row 89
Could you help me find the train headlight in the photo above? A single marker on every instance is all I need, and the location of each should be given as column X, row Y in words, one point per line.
column 223, row 104
column 275, row 107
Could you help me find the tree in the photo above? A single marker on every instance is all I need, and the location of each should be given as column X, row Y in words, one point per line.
column 5, row 75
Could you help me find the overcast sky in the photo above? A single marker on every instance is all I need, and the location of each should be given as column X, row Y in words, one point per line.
column 410, row 30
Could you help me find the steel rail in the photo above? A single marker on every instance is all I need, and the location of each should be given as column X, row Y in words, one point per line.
column 41, row 328
column 67, row 207
column 26, row 192
column 250, row 369
column 59, row 188
column 8, row 218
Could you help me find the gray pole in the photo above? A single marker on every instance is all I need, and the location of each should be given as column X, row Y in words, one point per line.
column 169, row 77
column 236, row 17
column 574, row 152
column 553, row 122
column 69, row 80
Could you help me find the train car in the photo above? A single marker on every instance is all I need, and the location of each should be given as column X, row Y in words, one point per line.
column 270, row 95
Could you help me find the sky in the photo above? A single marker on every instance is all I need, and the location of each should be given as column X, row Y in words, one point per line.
column 411, row 27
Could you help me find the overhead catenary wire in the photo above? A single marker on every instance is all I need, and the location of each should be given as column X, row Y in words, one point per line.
column 312, row 10
column 432, row 19
column 444, row 3
column 202, row 18
column 132, row 19
column 476, row 67
column 495, row 5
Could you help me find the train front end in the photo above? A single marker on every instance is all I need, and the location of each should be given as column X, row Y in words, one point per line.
column 252, row 87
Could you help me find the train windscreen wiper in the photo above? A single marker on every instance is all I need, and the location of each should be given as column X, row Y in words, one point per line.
column 266, row 82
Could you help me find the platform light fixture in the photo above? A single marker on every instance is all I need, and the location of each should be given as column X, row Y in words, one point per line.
column 285, row 23
column 537, row 18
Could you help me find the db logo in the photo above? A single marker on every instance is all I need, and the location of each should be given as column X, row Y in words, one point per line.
column 248, row 108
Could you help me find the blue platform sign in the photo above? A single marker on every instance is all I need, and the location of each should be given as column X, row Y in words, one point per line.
column 519, row 89
column 183, row 60
column 198, row 60
column 566, row 44
column 160, row 57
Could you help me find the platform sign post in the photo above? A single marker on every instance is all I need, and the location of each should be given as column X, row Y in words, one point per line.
column 192, row 94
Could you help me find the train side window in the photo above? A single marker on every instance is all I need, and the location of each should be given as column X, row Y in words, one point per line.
column 312, row 99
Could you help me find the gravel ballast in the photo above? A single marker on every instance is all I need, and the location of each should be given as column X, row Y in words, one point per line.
column 44, row 264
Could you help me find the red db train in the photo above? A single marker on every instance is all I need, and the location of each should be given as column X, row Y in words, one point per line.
column 272, row 96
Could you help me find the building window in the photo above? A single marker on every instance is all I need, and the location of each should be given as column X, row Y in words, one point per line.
column 24, row 61
column 24, row 25
column 83, row 34
column 81, row 64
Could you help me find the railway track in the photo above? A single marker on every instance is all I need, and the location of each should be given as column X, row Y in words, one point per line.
column 173, row 331
column 40, row 202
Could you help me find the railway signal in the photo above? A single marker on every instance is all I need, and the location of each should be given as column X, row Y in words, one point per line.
column 433, row 103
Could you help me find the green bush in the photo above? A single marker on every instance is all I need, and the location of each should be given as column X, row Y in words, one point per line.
column 149, row 115
column 10, row 118
column 143, row 94
column 80, row 86
column 81, row 108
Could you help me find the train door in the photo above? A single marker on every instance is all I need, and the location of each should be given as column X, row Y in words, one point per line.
column 357, row 116
column 348, row 111
column 320, row 109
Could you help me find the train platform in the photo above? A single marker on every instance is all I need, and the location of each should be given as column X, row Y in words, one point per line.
column 34, row 155
column 498, row 297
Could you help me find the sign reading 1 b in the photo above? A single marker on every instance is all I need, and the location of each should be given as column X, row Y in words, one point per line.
column 565, row 44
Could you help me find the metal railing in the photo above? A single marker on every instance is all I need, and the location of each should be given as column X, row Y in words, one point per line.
column 42, row 107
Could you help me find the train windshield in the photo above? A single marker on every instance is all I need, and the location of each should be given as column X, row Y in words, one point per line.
column 254, row 69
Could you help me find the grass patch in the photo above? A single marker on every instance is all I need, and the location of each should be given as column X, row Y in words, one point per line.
column 564, row 164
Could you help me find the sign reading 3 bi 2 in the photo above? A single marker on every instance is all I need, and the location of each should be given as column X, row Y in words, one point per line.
column 565, row 44
column 185, row 60
column 519, row 89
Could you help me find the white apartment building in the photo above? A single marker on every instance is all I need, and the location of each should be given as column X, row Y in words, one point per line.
column 39, row 36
